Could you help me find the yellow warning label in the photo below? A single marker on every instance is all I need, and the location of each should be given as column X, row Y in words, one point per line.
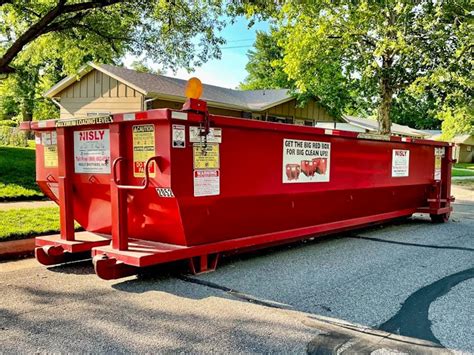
column 50, row 151
column 50, row 156
column 206, row 157
column 143, row 149
column 437, row 162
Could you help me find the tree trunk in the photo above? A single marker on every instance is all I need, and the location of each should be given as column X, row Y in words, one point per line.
column 26, row 115
column 386, row 98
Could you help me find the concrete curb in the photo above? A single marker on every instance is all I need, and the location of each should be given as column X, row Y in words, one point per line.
column 15, row 249
column 340, row 337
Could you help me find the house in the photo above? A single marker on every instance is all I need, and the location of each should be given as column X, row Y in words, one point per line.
column 463, row 150
column 432, row 134
column 106, row 89
column 365, row 125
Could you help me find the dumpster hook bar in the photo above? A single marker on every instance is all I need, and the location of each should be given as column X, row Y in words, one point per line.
column 146, row 181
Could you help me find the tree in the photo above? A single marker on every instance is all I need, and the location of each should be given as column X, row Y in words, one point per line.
column 419, row 112
column 375, row 49
column 176, row 33
column 142, row 67
column 264, row 68
column 43, row 41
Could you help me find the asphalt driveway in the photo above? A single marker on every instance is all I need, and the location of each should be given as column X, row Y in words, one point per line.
column 415, row 279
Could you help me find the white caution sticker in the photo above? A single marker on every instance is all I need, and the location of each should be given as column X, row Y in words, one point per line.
column 92, row 151
column 400, row 162
column 214, row 135
column 178, row 136
column 439, row 154
column 206, row 182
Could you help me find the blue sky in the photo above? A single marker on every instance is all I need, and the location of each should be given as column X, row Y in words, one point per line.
column 229, row 71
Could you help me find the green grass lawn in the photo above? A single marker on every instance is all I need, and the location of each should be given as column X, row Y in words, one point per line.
column 469, row 166
column 459, row 172
column 29, row 222
column 17, row 174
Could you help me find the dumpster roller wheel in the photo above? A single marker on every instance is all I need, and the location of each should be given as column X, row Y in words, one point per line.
column 110, row 269
column 50, row 255
column 55, row 254
column 440, row 218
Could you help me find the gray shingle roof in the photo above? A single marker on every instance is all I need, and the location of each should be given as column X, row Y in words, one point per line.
column 372, row 125
column 154, row 85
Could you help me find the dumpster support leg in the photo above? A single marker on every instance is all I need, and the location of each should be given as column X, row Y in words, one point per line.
column 65, row 169
column 204, row 263
column 118, row 196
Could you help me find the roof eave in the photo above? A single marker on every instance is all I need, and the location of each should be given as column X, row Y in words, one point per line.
column 270, row 105
column 177, row 98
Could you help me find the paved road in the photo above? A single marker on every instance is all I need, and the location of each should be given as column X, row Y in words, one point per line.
column 415, row 279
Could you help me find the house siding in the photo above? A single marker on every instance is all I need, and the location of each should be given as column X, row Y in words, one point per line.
column 311, row 111
column 464, row 153
column 98, row 93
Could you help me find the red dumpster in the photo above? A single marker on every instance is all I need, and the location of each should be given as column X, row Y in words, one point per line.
column 164, row 185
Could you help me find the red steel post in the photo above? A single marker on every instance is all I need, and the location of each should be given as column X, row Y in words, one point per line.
column 447, row 175
column 65, row 172
column 118, row 197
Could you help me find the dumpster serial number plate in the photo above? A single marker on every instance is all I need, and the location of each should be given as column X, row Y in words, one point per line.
column 92, row 151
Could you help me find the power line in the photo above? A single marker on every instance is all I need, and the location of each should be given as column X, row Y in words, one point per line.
column 247, row 46
column 240, row 40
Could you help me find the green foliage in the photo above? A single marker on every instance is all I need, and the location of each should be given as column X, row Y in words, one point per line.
column 8, row 123
column 419, row 113
column 175, row 34
column 29, row 222
column 369, row 56
column 456, row 121
column 265, row 66
column 144, row 68
column 17, row 174
column 13, row 136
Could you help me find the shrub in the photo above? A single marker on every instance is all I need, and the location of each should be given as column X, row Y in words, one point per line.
column 13, row 136
column 8, row 123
